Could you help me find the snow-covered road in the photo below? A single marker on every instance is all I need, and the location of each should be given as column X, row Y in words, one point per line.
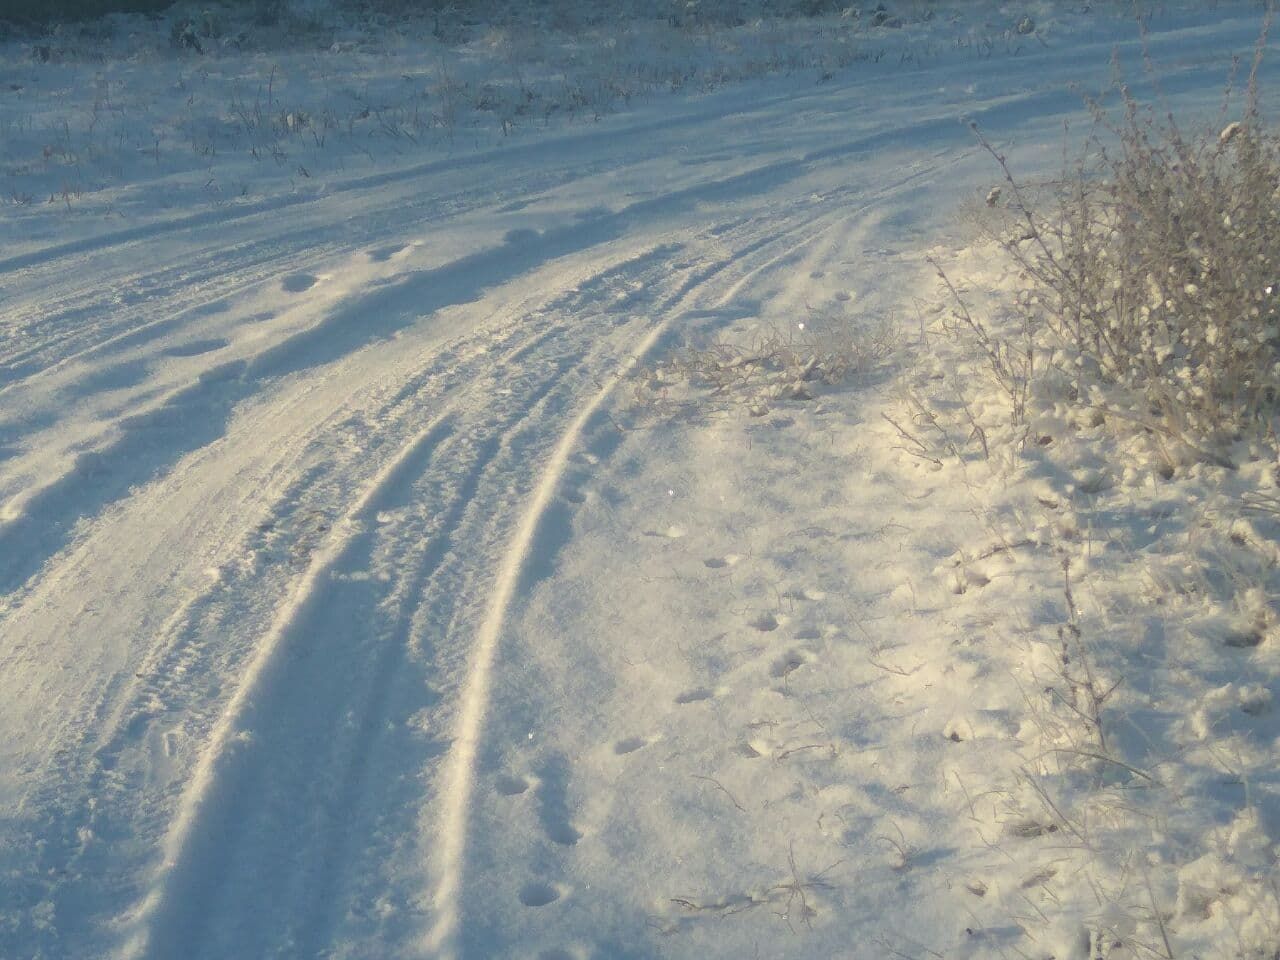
column 300, row 499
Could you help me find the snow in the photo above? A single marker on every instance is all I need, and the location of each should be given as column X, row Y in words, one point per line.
column 409, row 548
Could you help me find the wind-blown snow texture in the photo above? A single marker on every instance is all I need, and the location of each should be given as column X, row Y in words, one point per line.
column 356, row 601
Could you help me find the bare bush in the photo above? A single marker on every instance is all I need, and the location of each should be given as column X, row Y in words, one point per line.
column 1152, row 274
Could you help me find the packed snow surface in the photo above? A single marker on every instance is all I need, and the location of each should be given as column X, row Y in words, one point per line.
column 370, row 586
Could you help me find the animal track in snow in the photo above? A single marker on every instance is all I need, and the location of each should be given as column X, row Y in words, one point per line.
column 299, row 283
column 1243, row 639
column 765, row 623
column 195, row 348
column 790, row 662
column 536, row 893
column 554, row 812
column 719, row 563
column 695, row 695
column 511, row 786
column 630, row 745
column 562, row 833
column 804, row 593
column 521, row 235
column 116, row 377
column 964, row 581
column 383, row 254
column 672, row 532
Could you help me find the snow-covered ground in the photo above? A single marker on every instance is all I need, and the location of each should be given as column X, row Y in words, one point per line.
column 374, row 583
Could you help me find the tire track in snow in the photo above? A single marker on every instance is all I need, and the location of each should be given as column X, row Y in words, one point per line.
column 79, row 326
column 423, row 391
column 41, row 517
column 39, row 524
column 1055, row 66
column 105, row 473
column 515, row 598
column 272, row 365
column 525, row 559
column 200, row 277
column 669, row 125
column 170, row 914
column 206, row 826
column 459, row 776
column 643, row 139
column 451, row 828
column 231, row 774
column 311, row 352
column 167, row 916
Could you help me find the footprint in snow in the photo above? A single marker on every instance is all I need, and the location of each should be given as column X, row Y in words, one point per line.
column 766, row 623
column 554, row 812
column 562, row 833
column 195, row 348
column 299, row 283
column 695, row 695
column 511, row 786
column 117, row 377
column 719, row 563
column 671, row 533
column 790, row 662
column 213, row 308
column 630, row 745
column 803, row 593
column 383, row 254
column 536, row 893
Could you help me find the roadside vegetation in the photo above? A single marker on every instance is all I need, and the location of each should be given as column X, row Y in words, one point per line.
column 1095, row 385
column 1107, row 354
column 1085, row 411
column 1151, row 281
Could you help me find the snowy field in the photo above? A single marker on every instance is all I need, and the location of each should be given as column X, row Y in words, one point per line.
column 407, row 548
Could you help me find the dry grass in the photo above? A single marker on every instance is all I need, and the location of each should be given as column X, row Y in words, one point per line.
column 775, row 364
